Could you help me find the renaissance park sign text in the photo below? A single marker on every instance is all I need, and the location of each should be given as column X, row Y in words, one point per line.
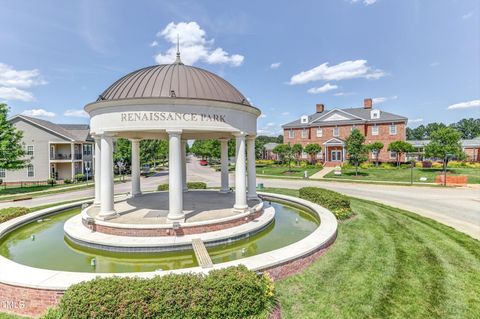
column 171, row 116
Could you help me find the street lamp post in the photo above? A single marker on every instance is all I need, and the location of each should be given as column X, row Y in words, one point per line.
column 87, row 169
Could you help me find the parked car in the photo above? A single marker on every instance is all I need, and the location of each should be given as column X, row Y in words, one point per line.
column 203, row 162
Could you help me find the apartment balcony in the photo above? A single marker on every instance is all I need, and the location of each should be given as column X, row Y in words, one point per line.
column 65, row 157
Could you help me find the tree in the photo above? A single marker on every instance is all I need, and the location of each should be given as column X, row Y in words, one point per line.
column 297, row 150
column 312, row 150
column 375, row 148
column 12, row 151
column 153, row 151
column 418, row 133
column 400, row 147
column 284, row 152
column 445, row 141
column 122, row 151
column 357, row 152
column 469, row 128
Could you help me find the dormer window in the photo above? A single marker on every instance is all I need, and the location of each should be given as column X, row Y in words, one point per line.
column 304, row 119
column 374, row 114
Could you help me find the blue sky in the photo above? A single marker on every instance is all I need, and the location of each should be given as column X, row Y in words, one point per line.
column 415, row 58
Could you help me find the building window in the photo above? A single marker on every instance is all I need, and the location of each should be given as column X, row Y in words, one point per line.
column 30, row 150
column 336, row 131
column 319, row 132
column 2, row 173
column 375, row 130
column 393, row 129
column 291, row 134
column 30, row 171
column 87, row 149
column 393, row 155
column 304, row 133
column 353, row 127
column 374, row 155
column 304, row 155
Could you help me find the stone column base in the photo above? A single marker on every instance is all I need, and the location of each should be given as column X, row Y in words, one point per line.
column 107, row 215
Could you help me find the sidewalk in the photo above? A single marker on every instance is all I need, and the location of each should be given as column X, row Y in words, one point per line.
column 321, row 174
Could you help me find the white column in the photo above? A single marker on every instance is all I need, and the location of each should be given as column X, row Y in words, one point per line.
column 343, row 154
column 97, row 172
column 107, row 210
column 175, row 188
column 136, row 190
column 240, row 174
column 72, row 159
column 251, row 174
column 184, row 165
column 224, row 162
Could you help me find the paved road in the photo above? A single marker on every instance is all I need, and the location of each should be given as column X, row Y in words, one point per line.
column 456, row 207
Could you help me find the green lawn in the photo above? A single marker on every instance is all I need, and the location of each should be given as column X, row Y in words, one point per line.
column 295, row 171
column 7, row 316
column 403, row 174
column 388, row 263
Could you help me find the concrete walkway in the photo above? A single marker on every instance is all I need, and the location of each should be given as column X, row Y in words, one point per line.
column 321, row 174
column 455, row 207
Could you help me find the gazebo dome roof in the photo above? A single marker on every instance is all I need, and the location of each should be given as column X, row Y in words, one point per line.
column 173, row 81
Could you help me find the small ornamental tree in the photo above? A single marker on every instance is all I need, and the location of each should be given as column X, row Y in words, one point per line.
column 297, row 150
column 312, row 150
column 400, row 147
column 357, row 152
column 12, row 151
column 284, row 152
column 375, row 148
column 445, row 142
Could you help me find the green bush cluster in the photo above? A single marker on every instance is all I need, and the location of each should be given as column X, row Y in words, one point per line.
column 234, row 292
column 12, row 212
column 67, row 181
column 80, row 178
column 51, row 181
column 190, row 185
column 339, row 204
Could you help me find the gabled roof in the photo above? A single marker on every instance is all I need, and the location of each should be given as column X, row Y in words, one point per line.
column 358, row 115
column 71, row 132
column 334, row 141
column 474, row 142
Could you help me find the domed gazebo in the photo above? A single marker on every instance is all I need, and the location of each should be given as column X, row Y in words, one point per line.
column 175, row 102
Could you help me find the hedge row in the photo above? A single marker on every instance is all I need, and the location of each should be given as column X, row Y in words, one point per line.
column 190, row 185
column 12, row 212
column 234, row 292
column 339, row 204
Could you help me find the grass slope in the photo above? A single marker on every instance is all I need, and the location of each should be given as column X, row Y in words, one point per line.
column 388, row 263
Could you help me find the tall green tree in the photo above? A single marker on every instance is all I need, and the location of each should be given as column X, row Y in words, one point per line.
column 12, row 151
column 400, row 147
column 469, row 128
column 122, row 151
column 357, row 152
column 284, row 152
column 297, row 150
column 445, row 141
column 375, row 148
column 312, row 150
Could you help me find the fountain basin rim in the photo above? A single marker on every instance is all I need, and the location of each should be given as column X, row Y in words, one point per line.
column 15, row 274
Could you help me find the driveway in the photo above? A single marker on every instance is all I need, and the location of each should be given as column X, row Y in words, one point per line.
column 456, row 207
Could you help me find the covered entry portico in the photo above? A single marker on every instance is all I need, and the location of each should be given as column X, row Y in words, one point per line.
column 334, row 150
column 177, row 103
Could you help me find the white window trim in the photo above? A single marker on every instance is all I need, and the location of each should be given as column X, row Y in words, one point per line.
column 291, row 134
column 33, row 170
column 393, row 125
column 321, row 132
column 304, row 133
column 337, row 129
column 393, row 156
column 33, row 150
column 87, row 145
column 3, row 173
column 375, row 129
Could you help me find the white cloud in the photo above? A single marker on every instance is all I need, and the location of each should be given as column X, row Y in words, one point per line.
column 285, row 113
column 262, row 116
column 15, row 94
column 194, row 46
column 365, row 2
column 415, row 120
column 76, row 113
column 434, row 64
column 154, row 44
column 344, row 93
column 38, row 113
column 465, row 105
column 275, row 65
column 269, row 124
column 342, row 71
column 467, row 15
column 325, row 88
column 378, row 100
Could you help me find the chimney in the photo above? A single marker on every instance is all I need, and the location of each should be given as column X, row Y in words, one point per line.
column 367, row 103
column 320, row 108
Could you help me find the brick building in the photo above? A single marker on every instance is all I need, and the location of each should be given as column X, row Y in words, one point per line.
column 330, row 128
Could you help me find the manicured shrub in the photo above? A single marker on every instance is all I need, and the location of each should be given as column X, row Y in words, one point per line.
column 196, row 185
column 67, row 181
column 437, row 165
column 319, row 165
column 339, row 204
column 456, row 164
column 418, row 164
column 51, row 181
column 79, row 178
column 264, row 162
column 365, row 165
column 190, row 185
column 12, row 212
column 472, row 165
column 426, row 164
column 234, row 292
column 388, row 166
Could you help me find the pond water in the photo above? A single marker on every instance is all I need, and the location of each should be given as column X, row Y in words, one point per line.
column 42, row 244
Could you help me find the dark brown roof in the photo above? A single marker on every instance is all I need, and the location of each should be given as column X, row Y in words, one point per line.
column 173, row 80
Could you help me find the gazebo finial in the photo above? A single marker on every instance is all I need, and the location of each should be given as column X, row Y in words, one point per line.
column 178, row 60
